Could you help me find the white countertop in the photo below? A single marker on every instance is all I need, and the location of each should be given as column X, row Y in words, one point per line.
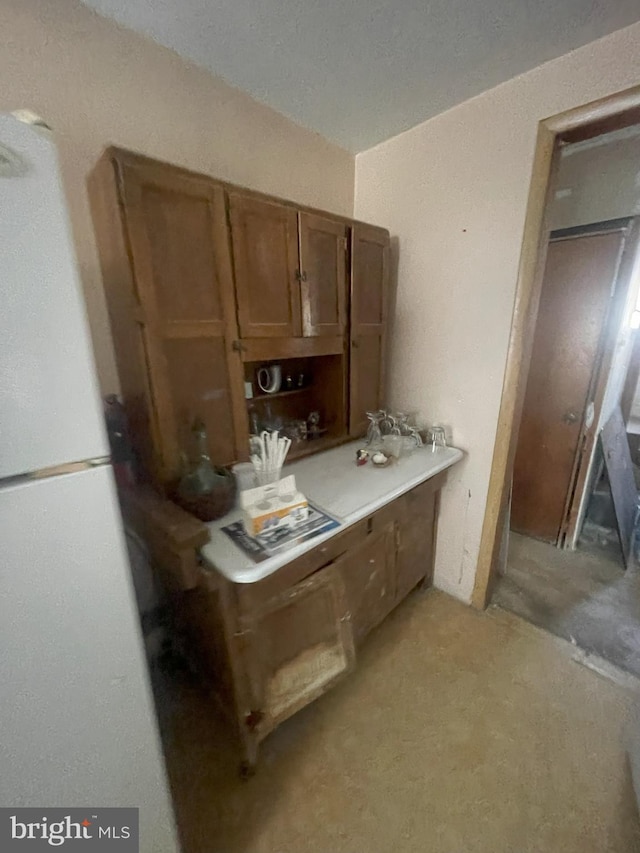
column 333, row 482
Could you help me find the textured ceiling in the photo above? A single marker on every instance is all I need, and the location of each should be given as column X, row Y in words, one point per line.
column 361, row 71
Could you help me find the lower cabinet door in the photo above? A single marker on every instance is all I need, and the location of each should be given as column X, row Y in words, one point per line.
column 367, row 572
column 415, row 540
column 296, row 647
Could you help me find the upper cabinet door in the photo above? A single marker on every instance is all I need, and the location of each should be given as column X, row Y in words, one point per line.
column 176, row 228
column 369, row 297
column 265, row 255
column 323, row 261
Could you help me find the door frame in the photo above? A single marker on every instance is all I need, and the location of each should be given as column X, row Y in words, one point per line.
column 584, row 122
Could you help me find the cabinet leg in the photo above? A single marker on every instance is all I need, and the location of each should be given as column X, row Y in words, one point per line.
column 249, row 761
column 424, row 584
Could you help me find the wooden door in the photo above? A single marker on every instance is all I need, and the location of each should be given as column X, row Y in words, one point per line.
column 176, row 228
column 369, row 297
column 265, row 257
column 323, row 282
column 578, row 284
column 296, row 647
column 367, row 571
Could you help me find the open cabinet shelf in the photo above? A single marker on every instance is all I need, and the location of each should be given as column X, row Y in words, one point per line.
column 277, row 395
column 289, row 410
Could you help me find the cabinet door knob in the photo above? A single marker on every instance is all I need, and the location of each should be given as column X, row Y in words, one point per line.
column 301, row 275
column 355, row 344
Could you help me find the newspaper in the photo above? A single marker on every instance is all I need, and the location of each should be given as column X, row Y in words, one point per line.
column 269, row 544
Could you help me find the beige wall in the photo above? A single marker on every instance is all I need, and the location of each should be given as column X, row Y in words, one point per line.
column 454, row 190
column 598, row 183
column 98, row 84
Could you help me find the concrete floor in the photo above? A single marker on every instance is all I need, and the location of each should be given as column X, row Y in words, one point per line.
column 459, row 732
column 584, row 596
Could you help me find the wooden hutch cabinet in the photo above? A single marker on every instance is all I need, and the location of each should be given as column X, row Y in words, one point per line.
column 206, row 283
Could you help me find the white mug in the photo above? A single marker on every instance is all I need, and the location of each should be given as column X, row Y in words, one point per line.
column 270, row 379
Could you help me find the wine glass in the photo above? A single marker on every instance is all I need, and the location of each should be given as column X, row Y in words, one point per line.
column 374, row 434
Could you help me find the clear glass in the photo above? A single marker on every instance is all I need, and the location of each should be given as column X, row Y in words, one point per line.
column 271, row 475
column 374, row 435
column 387, row 422
column 436, row 439
column 408, row 445
column 414, row 437
column 402, row 424
column 393, row 445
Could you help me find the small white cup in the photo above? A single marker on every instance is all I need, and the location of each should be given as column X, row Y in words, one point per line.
column 245, row 475
column 270, row 379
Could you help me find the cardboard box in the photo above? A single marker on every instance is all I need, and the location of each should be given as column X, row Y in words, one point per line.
column 266, row 508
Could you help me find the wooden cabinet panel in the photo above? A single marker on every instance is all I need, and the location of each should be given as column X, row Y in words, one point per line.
column 197, row 377
column 365, row 393
column 296, row 647
column 370, row 261
column 369, row 297
column 415, row 540
column 367, row 573
column 202, row 620
column 265, row 254
column 123, row 307
column 176, row 218
column 272, row 349
column 176, row 228
column 253, row 596
column 323, row 256
column 170, row 534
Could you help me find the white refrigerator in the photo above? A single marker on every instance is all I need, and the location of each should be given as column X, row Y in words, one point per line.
column 77, row 721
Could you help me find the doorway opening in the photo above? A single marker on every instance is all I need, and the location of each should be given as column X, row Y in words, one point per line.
column 580, row 354
column 557, row 538
column 569, row 565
